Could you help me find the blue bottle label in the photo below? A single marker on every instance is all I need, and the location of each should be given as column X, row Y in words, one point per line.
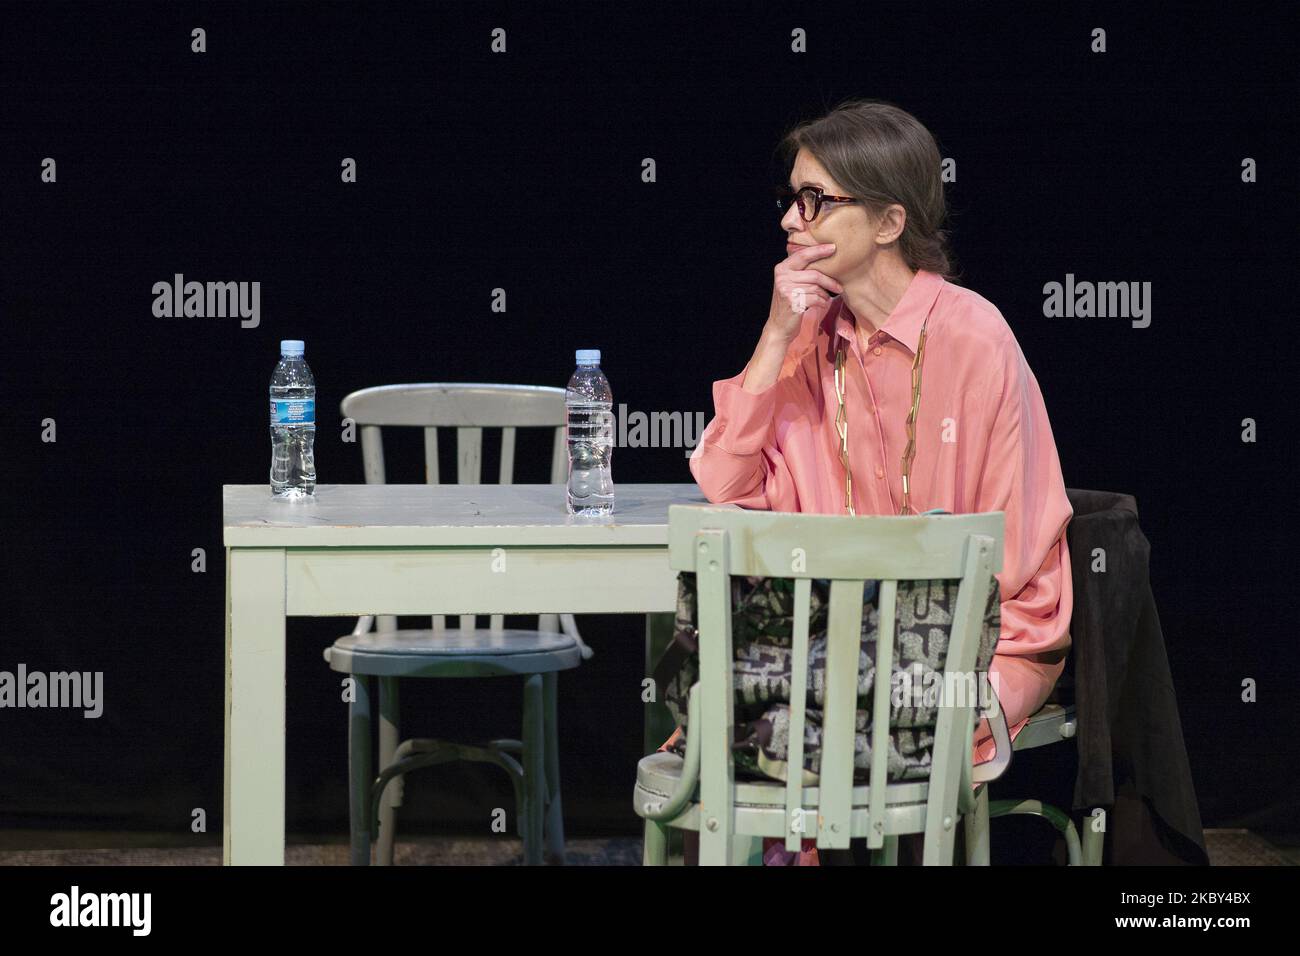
column 293, row 411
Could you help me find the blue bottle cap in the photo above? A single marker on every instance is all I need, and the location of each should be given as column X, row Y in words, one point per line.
column 588, row 356
column 291, row 347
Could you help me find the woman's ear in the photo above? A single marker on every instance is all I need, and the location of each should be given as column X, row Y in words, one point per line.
column 891, row 224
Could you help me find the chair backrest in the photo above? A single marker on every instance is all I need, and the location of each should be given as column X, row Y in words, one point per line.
column 717, row 543
column 468, row 407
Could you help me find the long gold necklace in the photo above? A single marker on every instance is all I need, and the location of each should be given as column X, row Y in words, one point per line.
column 842, row 425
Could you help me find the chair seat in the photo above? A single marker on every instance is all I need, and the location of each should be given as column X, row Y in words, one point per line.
column 760, row 804
column 454, row 652
column 1050, row 724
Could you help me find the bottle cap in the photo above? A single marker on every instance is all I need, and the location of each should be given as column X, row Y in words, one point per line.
column 291, row 347
column 588, row 356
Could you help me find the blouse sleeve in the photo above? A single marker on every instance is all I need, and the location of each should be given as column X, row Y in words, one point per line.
column 738, row 460
column 1021, row 476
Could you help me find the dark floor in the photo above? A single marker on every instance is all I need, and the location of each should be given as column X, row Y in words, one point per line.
column 449, row 851
column 87, row 848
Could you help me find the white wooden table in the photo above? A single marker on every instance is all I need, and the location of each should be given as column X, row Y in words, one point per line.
column 409, row 549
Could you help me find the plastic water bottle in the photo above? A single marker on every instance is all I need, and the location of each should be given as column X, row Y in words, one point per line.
column 293, row 424
column 590, row 405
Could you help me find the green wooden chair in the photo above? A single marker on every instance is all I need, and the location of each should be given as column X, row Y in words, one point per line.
column 1052, row 724
column 390, row 654
column 700, row 792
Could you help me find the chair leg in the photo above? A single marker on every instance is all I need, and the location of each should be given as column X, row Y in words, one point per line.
column 359, row 771
column 886, row 855
column 940, row 844
column 977, row 830
column 389, row 737
column 534, row 760
column 654, row 846
column 554, row 827
column 1093, row 842
column 745, row 850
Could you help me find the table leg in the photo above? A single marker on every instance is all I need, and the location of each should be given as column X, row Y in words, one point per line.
column 659, row 723
column 253, row 821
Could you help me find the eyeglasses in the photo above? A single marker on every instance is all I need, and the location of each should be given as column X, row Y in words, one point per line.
column 809, row 200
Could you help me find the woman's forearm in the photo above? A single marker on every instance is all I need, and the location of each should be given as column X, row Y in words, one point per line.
column 765, row 366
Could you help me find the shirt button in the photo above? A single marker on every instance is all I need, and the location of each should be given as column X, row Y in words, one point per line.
column 880, row 472
column 877, row 350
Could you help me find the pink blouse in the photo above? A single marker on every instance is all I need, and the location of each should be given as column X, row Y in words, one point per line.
column 983, row 443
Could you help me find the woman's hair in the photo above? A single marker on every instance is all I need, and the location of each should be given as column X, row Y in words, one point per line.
column 883, row 155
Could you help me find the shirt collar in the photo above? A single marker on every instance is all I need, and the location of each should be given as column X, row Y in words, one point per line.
column 904, row 322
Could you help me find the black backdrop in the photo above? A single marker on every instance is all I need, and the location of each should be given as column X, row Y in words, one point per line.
column 522, row 171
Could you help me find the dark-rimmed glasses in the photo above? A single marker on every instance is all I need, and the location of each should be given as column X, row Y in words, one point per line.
column 809, row 200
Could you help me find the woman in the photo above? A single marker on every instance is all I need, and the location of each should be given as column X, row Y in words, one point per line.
column 865, row 282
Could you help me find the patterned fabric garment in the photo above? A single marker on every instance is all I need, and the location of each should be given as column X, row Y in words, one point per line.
column 762, row 628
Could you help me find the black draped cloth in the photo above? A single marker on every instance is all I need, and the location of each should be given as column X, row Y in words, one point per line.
column 1132, row 759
